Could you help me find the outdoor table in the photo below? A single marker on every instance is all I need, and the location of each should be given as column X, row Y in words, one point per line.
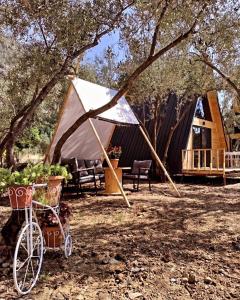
column 111, row 186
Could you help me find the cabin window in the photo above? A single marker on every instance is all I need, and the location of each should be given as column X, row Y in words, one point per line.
column 202, row 110
column 201, row 139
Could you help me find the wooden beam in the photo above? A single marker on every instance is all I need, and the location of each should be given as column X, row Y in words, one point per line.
column 109, row 163
column 158, row 160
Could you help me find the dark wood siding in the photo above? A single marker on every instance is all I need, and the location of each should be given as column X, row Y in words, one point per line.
column 135, row 147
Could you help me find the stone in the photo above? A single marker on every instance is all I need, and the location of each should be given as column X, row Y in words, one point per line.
column 173, row 280
column 191, row 278
column 133, row 296
column 3, row 288
column 120, row 277
column 208, row 280
column 104, row 296
column 135, row 270
column 6, row 265
column 184, row 274
column 80, row 297
column 184, row 280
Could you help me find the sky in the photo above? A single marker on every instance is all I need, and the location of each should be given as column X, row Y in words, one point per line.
column 110, row 40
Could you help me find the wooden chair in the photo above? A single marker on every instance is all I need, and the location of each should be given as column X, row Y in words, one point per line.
column 140, row 172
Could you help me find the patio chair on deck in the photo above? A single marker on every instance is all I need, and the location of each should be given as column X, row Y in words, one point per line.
column 140, row 172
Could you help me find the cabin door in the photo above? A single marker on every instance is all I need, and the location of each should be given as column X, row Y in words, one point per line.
column 202, row 139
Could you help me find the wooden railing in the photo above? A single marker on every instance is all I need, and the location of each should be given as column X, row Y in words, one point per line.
column 203, row 159
column 210, row 160
column 232, row 160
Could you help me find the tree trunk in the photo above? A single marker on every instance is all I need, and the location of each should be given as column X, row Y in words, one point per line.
column 171, row 132
column 10, row 160
column 165, row 155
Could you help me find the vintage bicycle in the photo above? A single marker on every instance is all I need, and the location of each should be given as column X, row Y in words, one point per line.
column 32, row 243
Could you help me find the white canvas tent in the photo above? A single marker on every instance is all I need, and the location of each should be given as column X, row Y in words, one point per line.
column 91, row 139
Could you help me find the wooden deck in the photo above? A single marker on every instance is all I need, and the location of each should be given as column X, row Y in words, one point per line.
column 213, row 162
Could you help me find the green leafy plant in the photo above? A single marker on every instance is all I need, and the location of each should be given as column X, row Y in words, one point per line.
column 40, row 195
column 4, row 179
column 57, row 170
column 25, row 177
column 114, row 152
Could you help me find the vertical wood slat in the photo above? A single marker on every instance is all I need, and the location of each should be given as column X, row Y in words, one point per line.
column 183, row 160
column 224, row 161
column 217, row 159
column 211, row 156
column 193, row 159
column 205, row 158
column 198, row 163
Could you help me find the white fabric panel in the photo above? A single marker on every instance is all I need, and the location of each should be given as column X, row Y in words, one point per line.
column 94, row 96
column 83, row 143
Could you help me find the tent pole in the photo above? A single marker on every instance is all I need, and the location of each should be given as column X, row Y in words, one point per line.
column 109, row 163
column 159, row 161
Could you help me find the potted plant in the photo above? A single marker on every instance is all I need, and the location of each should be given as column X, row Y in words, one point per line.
column 20, row 188
column 57, row 174
column 114, row 154
column 53, row 176
column 51, row 227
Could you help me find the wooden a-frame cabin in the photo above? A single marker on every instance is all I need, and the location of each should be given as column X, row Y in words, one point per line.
column 198, row 146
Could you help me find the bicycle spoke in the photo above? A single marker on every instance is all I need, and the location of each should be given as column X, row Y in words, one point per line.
column 32, row 269
column 22, row 264
column 26, row 273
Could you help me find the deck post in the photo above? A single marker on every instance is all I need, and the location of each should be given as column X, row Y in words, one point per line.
column 192, row 158
column 211, row 156
column 182, row 159
column 205, row 158
column 199, row 159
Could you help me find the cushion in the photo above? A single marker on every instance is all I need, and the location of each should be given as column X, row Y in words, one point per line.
column 137, row 164
column 133, row 176
column 81, row 165
column 97, row 164
column 98, row 167
column 86, row 179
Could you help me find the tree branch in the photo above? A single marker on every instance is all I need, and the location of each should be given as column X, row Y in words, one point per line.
column 156, row 31
column 123, row 90
column 43, row 35
column 225, row 77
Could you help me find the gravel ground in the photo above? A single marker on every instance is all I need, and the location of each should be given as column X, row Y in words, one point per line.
column 163, row 247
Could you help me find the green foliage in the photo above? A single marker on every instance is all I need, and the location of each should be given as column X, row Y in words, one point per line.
column 57, row 170
column 31, row 174
column 25, row 177
column 4, row 179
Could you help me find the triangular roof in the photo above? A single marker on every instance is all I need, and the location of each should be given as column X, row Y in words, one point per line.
column 83, row 96
column 93, row 96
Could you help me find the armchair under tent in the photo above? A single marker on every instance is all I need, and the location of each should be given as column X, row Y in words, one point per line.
column 91, row 139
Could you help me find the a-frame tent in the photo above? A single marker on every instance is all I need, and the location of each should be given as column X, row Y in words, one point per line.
column 91, row 139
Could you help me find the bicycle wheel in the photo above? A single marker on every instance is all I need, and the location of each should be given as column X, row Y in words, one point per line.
column 28, row 258
column 68, row 246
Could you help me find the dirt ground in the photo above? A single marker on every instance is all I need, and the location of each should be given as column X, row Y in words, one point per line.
column 163, row 247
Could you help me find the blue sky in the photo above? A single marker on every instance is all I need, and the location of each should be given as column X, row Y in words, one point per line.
column 111, row 40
